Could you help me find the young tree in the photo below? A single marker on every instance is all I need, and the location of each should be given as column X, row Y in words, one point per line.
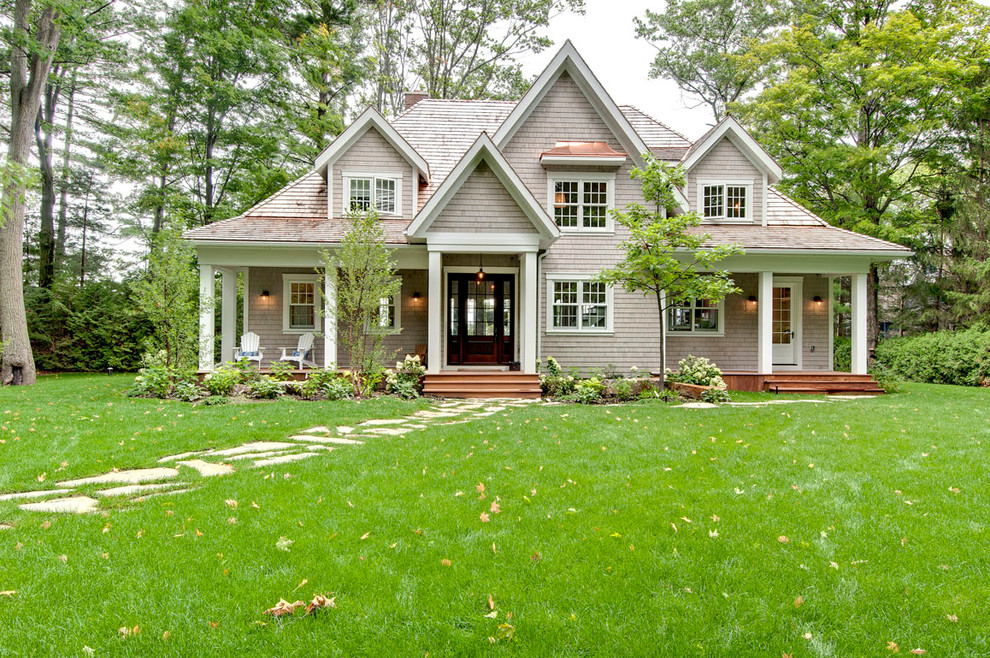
column 34, row 38
column 168, row 296
column 704, row 46
column 664, row 256
column 365, row 275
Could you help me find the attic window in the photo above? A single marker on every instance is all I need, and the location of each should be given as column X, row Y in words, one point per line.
column 365, row 192
column 725, row 200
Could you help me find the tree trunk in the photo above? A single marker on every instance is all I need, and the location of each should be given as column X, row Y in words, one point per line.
column 28, row 72
column 44, row 132
column 663, row 342
column 63, row 184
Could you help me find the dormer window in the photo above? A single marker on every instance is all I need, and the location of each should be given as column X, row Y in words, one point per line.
column 725, row 200
column 365, row 192
column 581, row 202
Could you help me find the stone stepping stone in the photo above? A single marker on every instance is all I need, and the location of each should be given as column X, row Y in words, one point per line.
column 482, row 414
column 6, row 526
column 208, row 469
column 344, row 429
column 131, row 489
column 73, row 505
column 181, row 455
column 456, row 422
column 257, row 446
column 383, row 421
column 154, row 494
column 697, row 405
column 135, row 476
column 34, row 494
column 437, row 414
column 417, row 426
column 494, row 409
column 259, row 455
column 285, row 459
column 390, row 431
column 316, row 430
column 328, row 439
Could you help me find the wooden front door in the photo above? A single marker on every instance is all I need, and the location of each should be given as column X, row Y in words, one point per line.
column 786, row 334
column 480, row 319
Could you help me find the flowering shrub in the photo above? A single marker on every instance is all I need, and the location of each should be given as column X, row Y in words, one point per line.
column 554, row 383
column 407, row 379
column 159, row 381
column 697, row 370
column 715, row 396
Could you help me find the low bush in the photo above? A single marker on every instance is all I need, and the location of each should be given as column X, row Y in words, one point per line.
column 265, row 388
column 942, row 357
column 715, row 396
column 159, row 381
column 697, row 370
column 281, row 371
column 407, row 379
column 553, row 382
column 329, row 384
column 222, row 381
column 624, row 390
column 587, row 391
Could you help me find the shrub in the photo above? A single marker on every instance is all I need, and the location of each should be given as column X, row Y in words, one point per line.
column 554, row 383
column 943, row 357
column 624, row 390
column 186, row 391
column 715, row 396
column 215, row 400
column 407, row 379
column 265, row 387
column 327, row 383
column 222, row 381
column 159, row 381
column 697, row 370
column 281, row 371
column 842, row 355
column 587, row 391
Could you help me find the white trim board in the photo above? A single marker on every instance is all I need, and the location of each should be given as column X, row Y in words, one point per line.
column 741, row 139
column 368, row 119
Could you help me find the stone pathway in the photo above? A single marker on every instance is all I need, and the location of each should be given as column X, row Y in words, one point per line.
column 138, row 484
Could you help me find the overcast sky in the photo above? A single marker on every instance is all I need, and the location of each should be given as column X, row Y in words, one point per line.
column 605, row 37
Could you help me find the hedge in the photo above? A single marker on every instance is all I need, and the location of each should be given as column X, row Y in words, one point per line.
column 943, row 357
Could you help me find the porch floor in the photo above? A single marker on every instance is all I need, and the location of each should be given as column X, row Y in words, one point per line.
column 802, row 381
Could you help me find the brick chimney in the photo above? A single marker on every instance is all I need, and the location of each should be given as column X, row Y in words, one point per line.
column 413, row 97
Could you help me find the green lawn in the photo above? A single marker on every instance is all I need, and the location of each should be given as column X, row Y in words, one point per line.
column 804, row 529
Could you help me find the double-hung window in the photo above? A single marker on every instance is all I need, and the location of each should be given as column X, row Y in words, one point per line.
column 578, row 304
column 389, row 319
column 725, row 200
column 366, row 192
column 581, row 202
column 300, row 303
column 696, row 316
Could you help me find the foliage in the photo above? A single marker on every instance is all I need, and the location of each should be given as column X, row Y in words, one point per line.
column 624, row 390
column 703, row 45
column 697, row 370
column 406, row 380
column 842, row 356
column 587, row 391
column 715, row 396
column 157, row 380
column 168, row 296
column 553, row 382
column 89, row 327
column 651, row 264
column 265, row 388
column 327, row 383
column 222, row 380
column 281, row 371
column 943, row 357
column 186, row 391
column 652, row 392
column 365, row 274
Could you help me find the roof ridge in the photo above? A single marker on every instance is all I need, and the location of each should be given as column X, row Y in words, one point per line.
column 656, row 121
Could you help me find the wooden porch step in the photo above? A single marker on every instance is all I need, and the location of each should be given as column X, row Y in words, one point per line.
column 839, row 390
column 470, row 384
column 829, row 384
column 817, row 377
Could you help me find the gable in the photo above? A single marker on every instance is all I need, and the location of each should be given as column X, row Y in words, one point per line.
column 724, row 161
column 482, row 205
column 371, row 153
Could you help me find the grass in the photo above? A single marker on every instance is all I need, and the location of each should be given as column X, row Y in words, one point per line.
column 840, row 528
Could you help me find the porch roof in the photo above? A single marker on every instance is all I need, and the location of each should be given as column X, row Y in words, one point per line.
column 799, row 239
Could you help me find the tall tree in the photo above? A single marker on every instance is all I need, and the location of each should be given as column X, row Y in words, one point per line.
column 653, row 263
column 704, row 46
column 859, row 114
column 33, row 40
column 391, row 25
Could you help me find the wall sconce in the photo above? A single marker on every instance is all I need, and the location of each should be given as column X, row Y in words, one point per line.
column 417, row 296
column 751, row 299
column 818, row 300
column 264, row 295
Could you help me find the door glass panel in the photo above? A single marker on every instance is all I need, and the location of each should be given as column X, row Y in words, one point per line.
column 454, row 313
column 506, row 310
column 782, row 316
column 480, row 308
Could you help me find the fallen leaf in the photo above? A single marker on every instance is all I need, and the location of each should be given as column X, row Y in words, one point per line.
column 282, row 608
column 214, row 625
column 304, row 581
column 918, row 651
column 8, row 592
column 798, row 601
column 366, row 535
column 321, row 602
column 284, row 543
column 63, row 558
column 230, row 502
column 491, row 602
column 495, row 509
column 166, row 635
column 492, row 615
column 445, row 562
column 892, row 647
column 484, row 517
column 952, row 618
column 480, row 487
column 783, row 539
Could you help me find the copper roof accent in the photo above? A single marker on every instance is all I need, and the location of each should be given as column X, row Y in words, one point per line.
column 565, row 149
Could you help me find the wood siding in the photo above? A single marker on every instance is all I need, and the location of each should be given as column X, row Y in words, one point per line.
column 726, row 162
column 482, row 205
column 371, row 153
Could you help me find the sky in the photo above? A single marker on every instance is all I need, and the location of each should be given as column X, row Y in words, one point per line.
column 605, row 37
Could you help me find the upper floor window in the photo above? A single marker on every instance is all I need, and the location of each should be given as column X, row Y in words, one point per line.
column 697, row 316
column 727, row 200
column 364, row 192
column 581, row 202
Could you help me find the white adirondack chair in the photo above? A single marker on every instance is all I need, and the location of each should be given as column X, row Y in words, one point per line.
column 250, row 348
column 302, row 352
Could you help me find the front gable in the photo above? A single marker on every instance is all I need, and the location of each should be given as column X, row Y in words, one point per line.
column 483, row 205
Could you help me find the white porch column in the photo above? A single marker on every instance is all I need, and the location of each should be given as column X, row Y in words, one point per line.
column 434, row 324
column 330, row 318
column 228, row 314
column 529, row 313
column 764, row 323
column 206, row 302
column 858, row 324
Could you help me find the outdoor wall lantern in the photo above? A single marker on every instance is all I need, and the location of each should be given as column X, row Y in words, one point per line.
column 817, row 300
column 417, row 296
column 264, row 295
column 752, row 300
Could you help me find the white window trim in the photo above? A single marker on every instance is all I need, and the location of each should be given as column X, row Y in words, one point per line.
column 346, row 189
column 287, row 280
column 565, row 176
column 726, row 182
column 694, row 333
column 397, row 301
column 579, row 331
